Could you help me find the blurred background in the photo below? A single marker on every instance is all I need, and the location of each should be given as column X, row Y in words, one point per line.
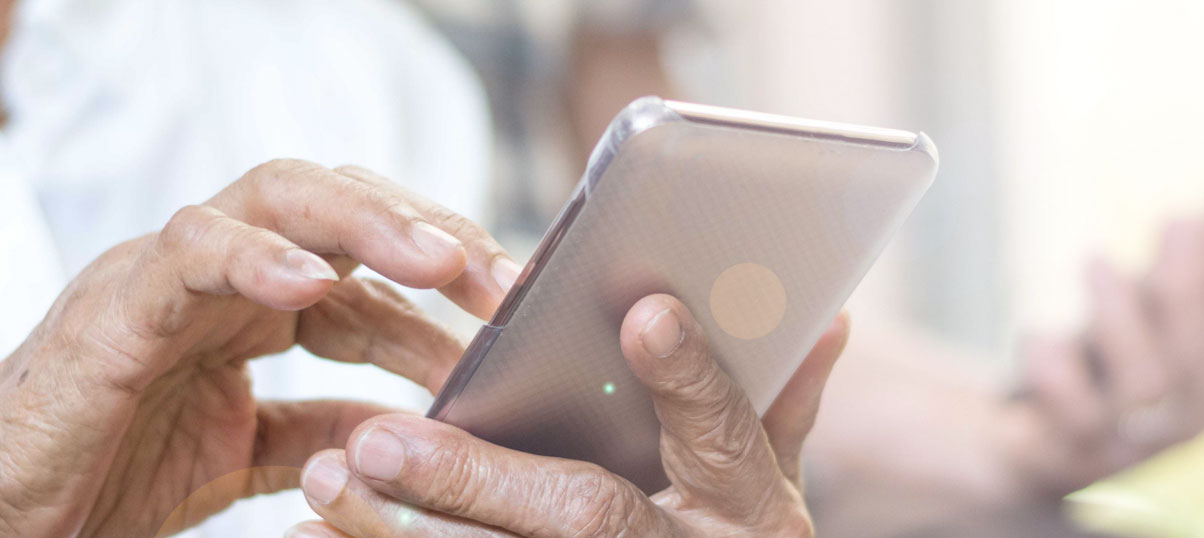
column 1069, row 131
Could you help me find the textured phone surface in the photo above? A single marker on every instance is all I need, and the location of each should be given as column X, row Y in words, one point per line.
column 670, row 209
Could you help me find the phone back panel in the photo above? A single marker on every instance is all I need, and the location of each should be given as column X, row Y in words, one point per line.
column 762, row 232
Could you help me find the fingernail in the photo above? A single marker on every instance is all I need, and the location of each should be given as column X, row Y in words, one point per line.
column 505, row 272
column 663, row 334
column 379, row 455
column 309, row 265
column 434, row 242
column 324, row 479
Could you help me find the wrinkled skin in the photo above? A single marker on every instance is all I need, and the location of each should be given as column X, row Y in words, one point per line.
column 128, row 411
column 732, row 474
column 133, row 392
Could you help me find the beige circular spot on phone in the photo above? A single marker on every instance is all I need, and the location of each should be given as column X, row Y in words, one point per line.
column 748, row 300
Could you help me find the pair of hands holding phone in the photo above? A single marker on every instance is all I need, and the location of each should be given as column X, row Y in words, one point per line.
column 131, row 400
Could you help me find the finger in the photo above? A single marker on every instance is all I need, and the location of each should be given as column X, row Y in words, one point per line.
column 1176, row 286
column 315, row 529
column 792, row 413
column 349, row 504
column 715, row 451
column 436, row 466
column 201, row 251
column 489, row 267
column 287, row 434
column 1062, row 392
column 330, row 213
column 207, row 252
column 1135, row 371
column 367, row 321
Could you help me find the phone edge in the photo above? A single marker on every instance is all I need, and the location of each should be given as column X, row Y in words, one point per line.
column 641, row 115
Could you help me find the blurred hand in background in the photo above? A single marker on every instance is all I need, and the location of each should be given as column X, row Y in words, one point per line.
column 1129, row 386
column 976, row 452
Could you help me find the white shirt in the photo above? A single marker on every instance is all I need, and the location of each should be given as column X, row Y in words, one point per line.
column 122, row 111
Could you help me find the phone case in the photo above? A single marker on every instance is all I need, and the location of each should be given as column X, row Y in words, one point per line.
column 762, row 225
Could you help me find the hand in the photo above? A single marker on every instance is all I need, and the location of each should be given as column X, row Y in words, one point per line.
column 133, row 392
column 731, row 474
column 1131, row 386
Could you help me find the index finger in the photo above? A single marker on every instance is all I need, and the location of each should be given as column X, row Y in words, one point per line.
column 488, row 264
column 1136, row 373
column 402, row 236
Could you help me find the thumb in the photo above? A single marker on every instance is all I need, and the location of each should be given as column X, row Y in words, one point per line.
column 712, row 445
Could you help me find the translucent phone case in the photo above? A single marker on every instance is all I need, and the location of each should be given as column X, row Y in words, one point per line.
column 677, row 198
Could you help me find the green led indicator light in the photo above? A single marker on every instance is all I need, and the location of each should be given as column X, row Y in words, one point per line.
column 608, row 388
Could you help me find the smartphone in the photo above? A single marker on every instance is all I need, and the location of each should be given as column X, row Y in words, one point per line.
column 761, row 224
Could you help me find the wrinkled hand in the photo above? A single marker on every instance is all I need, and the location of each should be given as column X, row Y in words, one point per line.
column 732, row 474
column 1131, row 386
column 133, row 392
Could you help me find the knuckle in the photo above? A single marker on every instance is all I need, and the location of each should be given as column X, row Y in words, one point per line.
column 596, row 503
column 381, row 296
column 389, row 206
column 379, row 290
column 257, row 185
column 223, row 238
column 729, row 444
column 702, row 389
column 278, row 168
column 357, row 173
column 451, row 471
column 724, row 428
column 454, row 223
column 382, row 202
column 699, row 381
column 186, row 227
